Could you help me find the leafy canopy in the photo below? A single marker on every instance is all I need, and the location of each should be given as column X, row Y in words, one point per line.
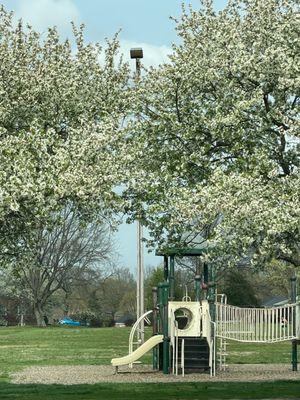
column 217, row 144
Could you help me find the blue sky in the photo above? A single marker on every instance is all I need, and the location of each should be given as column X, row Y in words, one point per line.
column 143, row 23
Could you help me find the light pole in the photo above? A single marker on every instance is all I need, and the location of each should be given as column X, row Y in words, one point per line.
column 137, row 54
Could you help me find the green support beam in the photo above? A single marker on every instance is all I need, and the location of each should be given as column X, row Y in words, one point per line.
column 294, row 342
column 205, row 274
column 166, row 268
column 164, row 288
column 212, row 292
column 160, row 309
column 160, row 324
column 198, row 287
column 172, row 278
column 181, row 251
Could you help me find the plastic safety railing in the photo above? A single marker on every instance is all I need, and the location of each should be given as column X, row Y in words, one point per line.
column 133, row 331
column 257, row 325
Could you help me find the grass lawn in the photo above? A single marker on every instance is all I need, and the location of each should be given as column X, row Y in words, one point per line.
column 22, row 347
column 264, row 353
column 150, row 391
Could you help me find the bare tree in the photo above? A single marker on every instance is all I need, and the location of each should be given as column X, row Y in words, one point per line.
column 115, row 290
column 55, row 254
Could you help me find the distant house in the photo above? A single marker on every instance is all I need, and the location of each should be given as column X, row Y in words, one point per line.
column 276, row 301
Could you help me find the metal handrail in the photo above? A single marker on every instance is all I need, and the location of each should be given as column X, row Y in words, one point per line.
column 174, row 342
column 182, row 357
column 133, row 329
column 223, row 341
column 212, row 349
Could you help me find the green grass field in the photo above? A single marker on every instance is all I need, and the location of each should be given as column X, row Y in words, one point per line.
column 162, row 391
column 22, row 347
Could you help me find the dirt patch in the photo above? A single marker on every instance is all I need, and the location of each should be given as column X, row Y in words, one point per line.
column 90, row 374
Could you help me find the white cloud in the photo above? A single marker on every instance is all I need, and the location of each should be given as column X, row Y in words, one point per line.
column 153, row 55
column 42, row 14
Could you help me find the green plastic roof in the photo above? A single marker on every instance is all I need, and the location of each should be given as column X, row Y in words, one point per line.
column 182, row 251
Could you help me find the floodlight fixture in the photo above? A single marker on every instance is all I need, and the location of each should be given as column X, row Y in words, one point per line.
column 136, row 52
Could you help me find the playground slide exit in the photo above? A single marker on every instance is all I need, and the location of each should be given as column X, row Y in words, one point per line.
column 139, row 352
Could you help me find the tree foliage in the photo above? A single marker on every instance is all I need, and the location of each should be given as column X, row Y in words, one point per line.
column 184, row 283
column 61, row 112
column 240, row 289
column 217, row 146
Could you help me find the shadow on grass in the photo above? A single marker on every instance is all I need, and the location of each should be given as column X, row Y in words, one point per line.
column 157, row 391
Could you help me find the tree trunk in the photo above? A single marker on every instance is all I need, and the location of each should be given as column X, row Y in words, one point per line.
column 39, row 314
column 22, row 323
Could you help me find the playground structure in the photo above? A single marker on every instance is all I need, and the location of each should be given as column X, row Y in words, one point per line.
column 191, row 336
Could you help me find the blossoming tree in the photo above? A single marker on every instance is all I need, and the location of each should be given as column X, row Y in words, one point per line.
column 217, row 146
column 61, row 113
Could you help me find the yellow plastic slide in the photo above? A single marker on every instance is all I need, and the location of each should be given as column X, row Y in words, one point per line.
column 139, row 352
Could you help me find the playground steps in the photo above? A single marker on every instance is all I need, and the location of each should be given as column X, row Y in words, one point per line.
column 196, row 354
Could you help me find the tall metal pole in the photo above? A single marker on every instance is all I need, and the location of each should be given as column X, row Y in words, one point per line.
column 137, row 54
column 138, row 285
column 140, row 280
